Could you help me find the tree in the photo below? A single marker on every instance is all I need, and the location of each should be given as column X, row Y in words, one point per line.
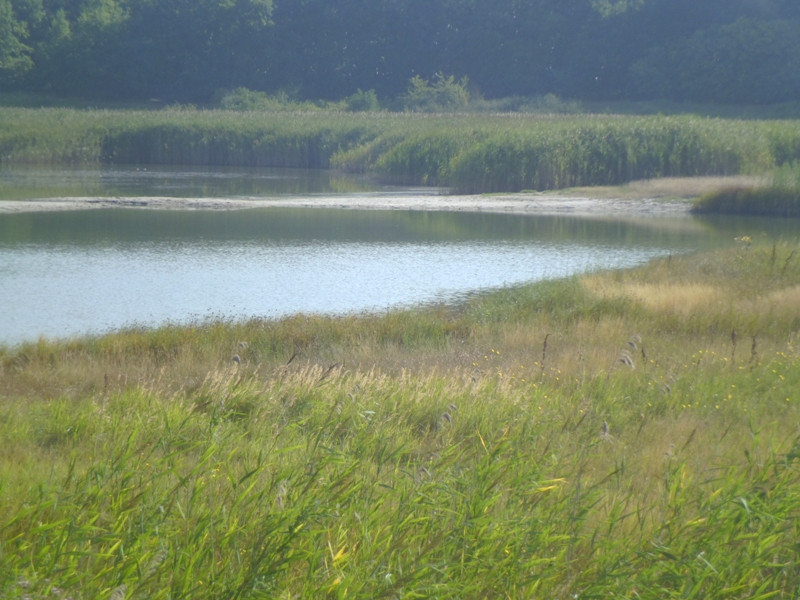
column 444, row 94
column 748, row 61
column 175, row 50
column 188, row 50
column 184, row 50
column 15, row 54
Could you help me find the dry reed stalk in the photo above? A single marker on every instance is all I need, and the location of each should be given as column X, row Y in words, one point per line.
column 544, row 353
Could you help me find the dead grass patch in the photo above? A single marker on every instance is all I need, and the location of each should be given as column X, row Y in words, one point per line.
column 785, row 301
column 682, row 299
column 665, row 187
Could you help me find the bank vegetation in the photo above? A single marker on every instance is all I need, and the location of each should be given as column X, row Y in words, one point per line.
column 469, row 153
column 775, row 196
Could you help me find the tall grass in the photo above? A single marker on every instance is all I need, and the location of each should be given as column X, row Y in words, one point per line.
column 777, row 196
column 178, row 136
column 501, row 447
column 464, row 152
column 582, row 152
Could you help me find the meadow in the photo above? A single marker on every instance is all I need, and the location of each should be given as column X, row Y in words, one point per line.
column 626, row 434
column 470, row 153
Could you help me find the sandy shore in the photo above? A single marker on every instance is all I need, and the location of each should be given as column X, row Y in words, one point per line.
column 660, row 197
column 517, row 203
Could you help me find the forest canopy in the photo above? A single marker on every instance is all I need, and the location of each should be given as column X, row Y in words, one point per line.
column 721, row 51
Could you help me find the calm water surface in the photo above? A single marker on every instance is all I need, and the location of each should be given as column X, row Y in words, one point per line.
column 88, row 272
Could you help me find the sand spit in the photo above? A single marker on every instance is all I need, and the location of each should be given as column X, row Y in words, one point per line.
column 655, row 197
column 512, row 203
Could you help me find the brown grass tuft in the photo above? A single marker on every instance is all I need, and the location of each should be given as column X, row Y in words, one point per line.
column 681, row 299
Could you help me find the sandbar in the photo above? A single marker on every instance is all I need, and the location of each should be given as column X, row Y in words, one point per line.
column 656, row 197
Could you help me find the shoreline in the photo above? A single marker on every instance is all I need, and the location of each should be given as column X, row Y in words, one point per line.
column 522, row 203
column 670, row 196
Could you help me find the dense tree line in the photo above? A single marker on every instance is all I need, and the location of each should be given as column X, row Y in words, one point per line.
column 727, row 51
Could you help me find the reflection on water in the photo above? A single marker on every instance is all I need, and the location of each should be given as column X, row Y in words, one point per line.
column 71, row 273
column 281, row 225
column 20, row 183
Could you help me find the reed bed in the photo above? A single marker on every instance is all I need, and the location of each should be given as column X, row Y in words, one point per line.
column 178, row 136
column 464, row 152
column 776, row 195
column 572, row 438
column 570, row 153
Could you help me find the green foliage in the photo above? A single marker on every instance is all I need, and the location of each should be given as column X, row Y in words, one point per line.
column 175, row 51
column 14, row 53
column 362, row 101
column 244, row 99
column 547, row 104
column 442, row 95
column 749, row 61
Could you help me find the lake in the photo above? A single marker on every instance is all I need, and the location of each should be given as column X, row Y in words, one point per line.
column 72, row 273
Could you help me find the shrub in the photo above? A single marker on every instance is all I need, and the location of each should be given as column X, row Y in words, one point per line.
column 244, row 99
column 444, row 94
column 362, row 101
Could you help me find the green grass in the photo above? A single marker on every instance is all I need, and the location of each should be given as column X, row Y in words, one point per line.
column 623, row 434
column 177, row 136
column 464, row 152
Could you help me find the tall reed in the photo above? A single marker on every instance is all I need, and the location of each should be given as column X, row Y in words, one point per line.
column 467, row 153
column 777, row 196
